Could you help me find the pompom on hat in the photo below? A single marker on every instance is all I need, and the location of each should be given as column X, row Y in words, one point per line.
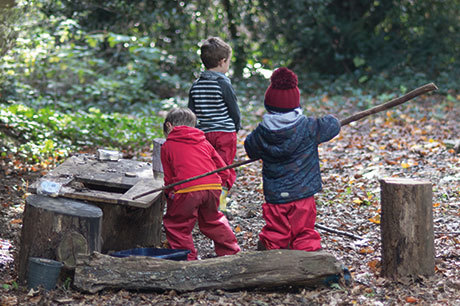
column 283, row 94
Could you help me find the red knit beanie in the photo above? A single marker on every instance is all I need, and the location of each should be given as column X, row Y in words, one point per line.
column 283, row 94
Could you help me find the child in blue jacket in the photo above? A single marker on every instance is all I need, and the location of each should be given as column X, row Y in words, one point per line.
column 287, row 142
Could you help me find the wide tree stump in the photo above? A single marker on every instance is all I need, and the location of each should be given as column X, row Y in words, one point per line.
column 406, row 228
column 268, row 269
column 58, row 229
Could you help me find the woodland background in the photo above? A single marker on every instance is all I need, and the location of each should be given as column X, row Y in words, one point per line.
column 80, row 75
column 86, row 73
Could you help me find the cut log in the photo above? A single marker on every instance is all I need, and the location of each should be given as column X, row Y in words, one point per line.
column 58, row 229
column 407, row 228
column 268, row 269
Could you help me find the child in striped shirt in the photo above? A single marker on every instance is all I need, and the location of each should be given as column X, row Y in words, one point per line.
column 214, row 103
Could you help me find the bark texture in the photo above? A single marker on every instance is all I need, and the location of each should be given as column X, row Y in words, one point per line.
column 407, row 228
column 267, row 269
column 58, row 229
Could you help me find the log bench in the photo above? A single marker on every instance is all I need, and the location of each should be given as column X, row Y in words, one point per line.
column 245, row 270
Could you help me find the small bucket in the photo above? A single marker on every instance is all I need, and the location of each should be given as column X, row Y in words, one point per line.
column 44, row 272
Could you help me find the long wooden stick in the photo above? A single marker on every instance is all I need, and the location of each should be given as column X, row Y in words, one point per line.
column 376, row 109
column 331, row 230
column 234, row 165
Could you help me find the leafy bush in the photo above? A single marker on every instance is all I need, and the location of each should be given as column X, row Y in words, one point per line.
column 57, row 63
column 45, row 132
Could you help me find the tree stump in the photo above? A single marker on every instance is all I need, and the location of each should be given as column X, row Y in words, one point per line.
column 58, row 229
column 267, row 269
column 406, row 228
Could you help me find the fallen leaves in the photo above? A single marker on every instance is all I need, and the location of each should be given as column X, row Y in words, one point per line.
column 366, row 250
column 16, row 221
column 375, row 219
column 411, row 299
column 404, row 145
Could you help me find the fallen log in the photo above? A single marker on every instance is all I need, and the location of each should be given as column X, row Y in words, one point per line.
column 268, row 269
column 355, row 117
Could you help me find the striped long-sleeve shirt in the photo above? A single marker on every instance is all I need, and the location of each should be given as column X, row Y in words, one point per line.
column 214, row 103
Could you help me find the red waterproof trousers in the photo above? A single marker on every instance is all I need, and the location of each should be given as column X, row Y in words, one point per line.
column 182, row 213
column 225, row 145
column 290, row 225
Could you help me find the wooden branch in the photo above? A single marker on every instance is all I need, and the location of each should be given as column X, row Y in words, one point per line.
column 331, row 230
column 234, row 165
column 379, row 108
column 250, row 269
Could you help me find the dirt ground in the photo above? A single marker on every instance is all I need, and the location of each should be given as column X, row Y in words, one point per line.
column 414, row 144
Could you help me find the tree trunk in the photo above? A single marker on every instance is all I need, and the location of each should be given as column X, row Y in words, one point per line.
column 267, row 269
column 406, row 228
column 239, row 49
column 58, row 229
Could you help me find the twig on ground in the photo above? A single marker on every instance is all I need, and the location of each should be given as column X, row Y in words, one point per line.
column 331, row 230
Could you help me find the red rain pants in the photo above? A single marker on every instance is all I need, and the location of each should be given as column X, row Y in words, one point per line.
column 225, row 145
column 182, row 213
column 290, row 225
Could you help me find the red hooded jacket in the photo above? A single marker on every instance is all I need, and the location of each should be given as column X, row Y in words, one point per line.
column 185, row 154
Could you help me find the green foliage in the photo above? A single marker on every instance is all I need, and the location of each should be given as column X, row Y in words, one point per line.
column 58, row 63
column 10, row 14
column 12, row 286
column 97, row 73
column 48, row 133
column 375, row 44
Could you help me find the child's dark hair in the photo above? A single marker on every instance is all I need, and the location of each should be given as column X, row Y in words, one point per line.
column 180, row 116
column 213, row 50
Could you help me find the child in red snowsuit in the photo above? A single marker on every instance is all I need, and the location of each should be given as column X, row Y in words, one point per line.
column 287, row 142
column 186, row 153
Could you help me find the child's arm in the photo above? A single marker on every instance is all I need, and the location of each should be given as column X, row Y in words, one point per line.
column 191, row 102
column 327, row 128
column 251, row 147
column 231, row 101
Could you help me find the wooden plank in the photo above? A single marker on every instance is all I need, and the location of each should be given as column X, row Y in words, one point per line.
column 85, row 177
column 141, row 187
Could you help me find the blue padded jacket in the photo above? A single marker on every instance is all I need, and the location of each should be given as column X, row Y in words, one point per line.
column 289, row 152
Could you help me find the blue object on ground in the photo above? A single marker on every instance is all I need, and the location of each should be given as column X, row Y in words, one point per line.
column 172, row 254
column 43, row 272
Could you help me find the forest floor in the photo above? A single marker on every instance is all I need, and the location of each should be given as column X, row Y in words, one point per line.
column 414, row 141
